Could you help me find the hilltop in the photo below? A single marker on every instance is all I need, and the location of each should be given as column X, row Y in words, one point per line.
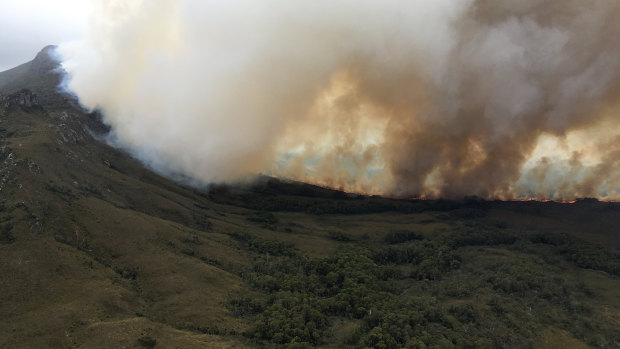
column 42, row 76
column 97, row 251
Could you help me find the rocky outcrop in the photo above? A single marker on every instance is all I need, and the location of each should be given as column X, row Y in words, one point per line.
column 24, row 98
column 41, row 76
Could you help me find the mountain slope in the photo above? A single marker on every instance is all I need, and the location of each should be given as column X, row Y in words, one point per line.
column 97, row 251
column 90, row 237
column 41, row 75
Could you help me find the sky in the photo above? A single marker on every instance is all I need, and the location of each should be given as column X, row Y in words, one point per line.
column 26, row 26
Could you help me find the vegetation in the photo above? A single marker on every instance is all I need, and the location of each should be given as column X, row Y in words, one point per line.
column 400, row 236
column 444, row 292
column 147, row 342
column 97, row 251
column 583, row 253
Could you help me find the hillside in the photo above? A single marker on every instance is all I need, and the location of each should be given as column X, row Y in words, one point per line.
column 97, row 251
column 41, row 76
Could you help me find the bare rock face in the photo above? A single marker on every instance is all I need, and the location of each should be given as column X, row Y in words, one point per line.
column 24, row 98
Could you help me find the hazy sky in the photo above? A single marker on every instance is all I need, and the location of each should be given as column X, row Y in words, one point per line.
column 26, row 26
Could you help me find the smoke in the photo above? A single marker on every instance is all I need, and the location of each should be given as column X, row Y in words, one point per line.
column 443, row 98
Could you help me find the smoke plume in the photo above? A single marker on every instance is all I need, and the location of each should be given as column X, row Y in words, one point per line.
column 445, row 98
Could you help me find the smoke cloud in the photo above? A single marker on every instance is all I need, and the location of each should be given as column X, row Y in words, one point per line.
column 442, row 98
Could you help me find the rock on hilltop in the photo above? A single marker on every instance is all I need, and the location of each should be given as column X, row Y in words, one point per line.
column 41, row 76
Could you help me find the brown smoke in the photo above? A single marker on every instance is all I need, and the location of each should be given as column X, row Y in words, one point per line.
column 445, row 98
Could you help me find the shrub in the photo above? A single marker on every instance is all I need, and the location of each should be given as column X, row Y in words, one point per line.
column 147, row 341
column 339, row 236
column 400, row 236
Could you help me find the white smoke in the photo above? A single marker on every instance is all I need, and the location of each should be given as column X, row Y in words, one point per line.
column 416, row 98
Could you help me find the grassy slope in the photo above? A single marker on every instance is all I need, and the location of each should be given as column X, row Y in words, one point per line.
column 98, row 252
column 97, row 246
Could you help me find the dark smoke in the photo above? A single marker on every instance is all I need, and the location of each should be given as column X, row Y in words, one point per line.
column 497, row 98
